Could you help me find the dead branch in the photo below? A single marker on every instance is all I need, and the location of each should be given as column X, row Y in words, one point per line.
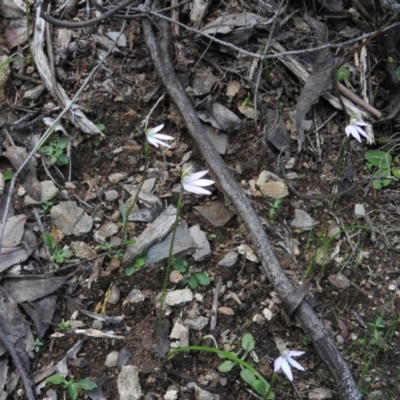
column 324, row 345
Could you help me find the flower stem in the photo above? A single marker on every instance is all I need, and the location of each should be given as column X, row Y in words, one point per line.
column 125, row 213
column 169, row 265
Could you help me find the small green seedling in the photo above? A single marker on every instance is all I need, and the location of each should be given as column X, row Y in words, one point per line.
column 37, row 344
column 192, row 280
column 248, row 373
column 381, row 162
column 58, row 255
column 47, row 205
column 210, row 236
column 138, row 263
column 71, row 386
column 107, row 246
column 377, row 331
column 63, row 326
column 274, row 208
column 56, row 151
column 342, row 73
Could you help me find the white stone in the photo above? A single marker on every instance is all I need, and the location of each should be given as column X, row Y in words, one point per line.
column 359, row 210
column 128, row 383
column 112, row 359
column 171, row 395
column 178, row 297
column 267, row 314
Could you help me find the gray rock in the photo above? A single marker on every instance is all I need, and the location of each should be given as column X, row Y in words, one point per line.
column 201, row 394
column 71, row 219
column 112, row 359
column 111, row 195
column 128, row 383
column 229, row 260
column 196, row 323
column 320, row 394
column 177, row 330
column 302, row 220
column 183, row 245
column 178, row 297
column 375, row 395
column 219, row 140
column 97, row 325
column 117, row 177
column 215, row 212
column 48, row 191
column 135, row 296
column 107, row 230
column 82, row 250
column 200, row 239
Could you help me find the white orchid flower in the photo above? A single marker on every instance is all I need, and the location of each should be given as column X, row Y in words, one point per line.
column 285, row 361
column 192, row 182
column 354, row 129
column 157, row 138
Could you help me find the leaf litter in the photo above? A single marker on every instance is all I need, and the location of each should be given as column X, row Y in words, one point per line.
column 36, row 295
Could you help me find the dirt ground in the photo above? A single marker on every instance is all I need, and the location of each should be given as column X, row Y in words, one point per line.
column 354, row 291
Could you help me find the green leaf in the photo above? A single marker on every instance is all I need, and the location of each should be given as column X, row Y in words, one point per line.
column 260, row 386
column 342, row 73
column 193, row 282
column 8, row 175
column 202, row 278
column 56, row 379
column 380, row 183
column 62, row 160
column 66, row 254
column 63, row 143
column 48, row 150
column 180, row 265
column 139, row 262
column 247, row 376
column 396, row 172
column 50, row 242
column 379, row 158
column 58, row 257
column 86, row 384
column 73, row 391
column 226, row 366
column 398, row 73
column 248, row 342
column 130, row 270
column 101, row 127
column 130, row 241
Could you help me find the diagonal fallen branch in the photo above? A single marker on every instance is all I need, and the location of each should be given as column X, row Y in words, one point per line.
column 324, row 345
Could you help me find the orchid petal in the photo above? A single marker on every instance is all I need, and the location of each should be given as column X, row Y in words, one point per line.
column 295, row 353
column 361, row 131
column 155, row 142
column 162, row 136
column 195, row 189
column 155, row 130
column 295, row 364
column 202, row 182
column 277, row 364
column 286, row 369
column 196, row 175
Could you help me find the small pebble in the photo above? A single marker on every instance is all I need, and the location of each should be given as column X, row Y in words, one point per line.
column 97, row 325
column 111, row 195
